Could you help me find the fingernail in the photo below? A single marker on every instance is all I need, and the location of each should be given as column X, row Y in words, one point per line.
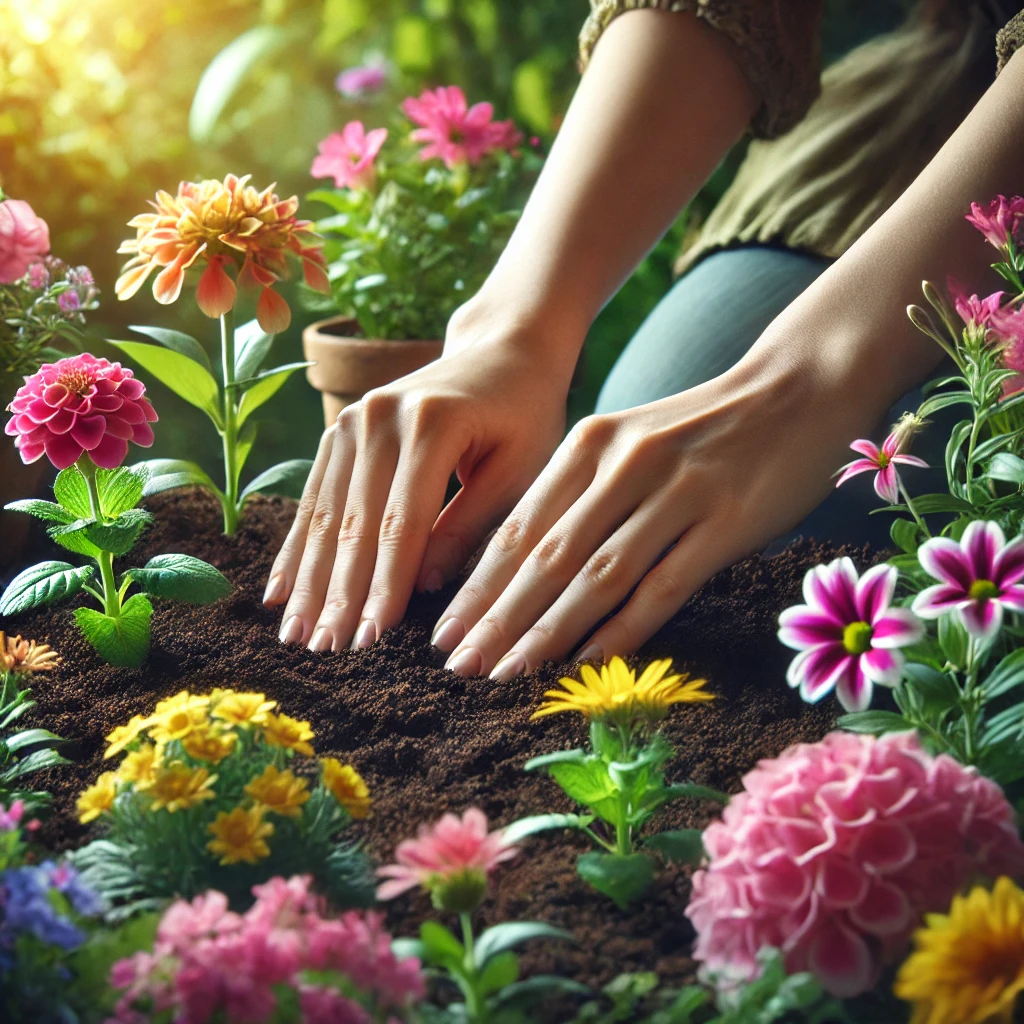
column 291, row 631
column 366, row 634
column 434, row 580
column 275, row 589
column 512, row 665
column 593, row 653
column 322, row 640
column 468, row 662
column 448, row 635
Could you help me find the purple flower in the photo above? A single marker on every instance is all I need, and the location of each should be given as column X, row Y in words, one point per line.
column 67, row 881
column 978, row 578
column 999, row 220
column 25, row 907
column 69, row 302
column 356, row 82
column 81, row 277
column 884, row 461
column 38, row 276
column 847, row 633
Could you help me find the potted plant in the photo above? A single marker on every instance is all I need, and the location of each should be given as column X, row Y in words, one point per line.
column 419, row 218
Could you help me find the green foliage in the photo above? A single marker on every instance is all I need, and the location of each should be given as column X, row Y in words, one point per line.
column 23, row 752
column 121, row 639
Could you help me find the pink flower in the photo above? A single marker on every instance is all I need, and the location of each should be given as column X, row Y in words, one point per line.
column 451, row 859
column 80, row 404
column 835, row 850
column 10, row 818
column 884, row 461
column 977, row 312
column 186, row 923
column 321, row 1005
column 347, row 156
column 454, row 133
column 978, row 578
column 24, row 237
column 356, row 82
column 38, row 275
column 847, row 634
column 999, row 220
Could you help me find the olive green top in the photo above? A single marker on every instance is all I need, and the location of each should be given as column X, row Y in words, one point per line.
column 833, row 150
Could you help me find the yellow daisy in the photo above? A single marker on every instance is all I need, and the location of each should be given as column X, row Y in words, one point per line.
column 139, row 766
column 290, row 733
column 99, row 797
column 346, row 785
column 210, row 744
column 240, row 835
column 968, row 965
column 183, row 699
column 177, row 787
column 125, row 734
column 244, row 708
column 180, row 721
column 280, row 792
column 617, row 695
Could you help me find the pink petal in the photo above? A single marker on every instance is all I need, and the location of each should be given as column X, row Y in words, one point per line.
column 882, row 666
column 854, row 687
column 830, row 588
column 131, row 388
column 851, row 470
column 942, row 558
column 935, row 601
column 884, row 911
column 119, row 428
column 142, row 435
column 88, row 431
column 840, row 883
column 868, row 449
column 898, row 627
column 887, row 484
column 821, row 668
column 885, row 847
column 1013, row 598
column 1009, row 564
column 874, row 592
column 62, row 422
column 910, row 460
column 841, row 961
column 982, row 619
column 981, row 542
column 110, row 452
column 62, row 451
column 802, row 627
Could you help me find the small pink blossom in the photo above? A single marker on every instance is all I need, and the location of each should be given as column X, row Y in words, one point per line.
column 847, row 633
column 979, row 577
column 977, row 312
column 455, row 132
column 354, row 83
column 321, row 1005
column 348, row 156
column 999, row 220
column 835, row 850
column 80, row 404
column 882, row 461
column 24, row 237
column 38, row 275
column 10, row 818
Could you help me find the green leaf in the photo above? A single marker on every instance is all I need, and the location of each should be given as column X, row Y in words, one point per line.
column 119, row 490
column 953, row 640
column 684, row 846
column 577, row 756
column 936, row 689
column 585, row 783
column 535, row 823
column 252, row 344
column 47, row 510
column 246, row 440
column 121, row 640
column 1007, row 675
column 623, row 878
column 528, row 993
column 176, row 341
column 500, row 972
column 905, row 535
column 119, row 537
column 74, row 539
column 1005, row 466
column 287, row 478
column 1008, row 724
column 30, row 737
column 265, row 386
column 43, row 584
column 37, row 761
column 181, row 578
column 694, row 791
column 873, row 722
column 508, row 935
column 440, row 945
column 71, row 490
column 937, row 402
column 166, row 474
column 186, row 378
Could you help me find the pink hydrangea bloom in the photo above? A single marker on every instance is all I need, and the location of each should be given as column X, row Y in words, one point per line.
column 453, row 131
column 847, row 633
column 882, row 462
column 979, row 577
column 321, row 1005
column 356, row 82
column 999, row 220
column 24, row 237
column 348, row 156
column 834, row 851
column 80, row 404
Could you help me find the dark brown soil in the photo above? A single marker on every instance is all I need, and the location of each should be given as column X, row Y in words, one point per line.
column 428, row 742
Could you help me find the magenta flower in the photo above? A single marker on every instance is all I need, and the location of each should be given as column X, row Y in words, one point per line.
column 882, row 461
column 38, row 276
column 847, row 634
column 80, row 404
column 835, row 850
column 354, row 83
column 348, row 156
column 451, row 859
column 999, row 220
column 977, row 312
column 24, row 237
column 454, row 132
column 10, row 817
column 978, row 578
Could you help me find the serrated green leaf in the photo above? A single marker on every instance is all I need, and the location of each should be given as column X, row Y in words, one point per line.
column 71, row 490
column 252, row 344
column 586, row 783
column 623, row 878
column 73, row 538
column 179, row 342
column 181, row 578
column 43, row 584
column 119, row 537
column 683, row 846
column 119, row 489
column 48, row 511
column 265, row 386
column 123, row 639
column 535, row 823
column 287, row 478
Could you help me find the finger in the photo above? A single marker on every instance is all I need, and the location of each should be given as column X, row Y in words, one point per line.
column 286, row 565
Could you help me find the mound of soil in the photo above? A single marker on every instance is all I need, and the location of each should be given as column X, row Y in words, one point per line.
column 429, row 742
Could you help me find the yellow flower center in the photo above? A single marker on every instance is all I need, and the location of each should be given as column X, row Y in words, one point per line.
column 983, row 590
column 75, row 380
column 857, row 637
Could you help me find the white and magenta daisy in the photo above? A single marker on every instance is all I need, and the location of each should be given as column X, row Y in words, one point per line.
column 847, row 634
column 882, row 461
column 978, row 578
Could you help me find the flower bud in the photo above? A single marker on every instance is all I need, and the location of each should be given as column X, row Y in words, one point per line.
column 908, row 427
column 460, row 892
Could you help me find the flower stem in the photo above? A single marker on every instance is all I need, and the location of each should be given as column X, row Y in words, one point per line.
column 913, row 511
column 229, row 434
column 105, row 560
column 474, row 1009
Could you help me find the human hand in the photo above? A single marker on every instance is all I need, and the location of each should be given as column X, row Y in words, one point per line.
column 367, row 530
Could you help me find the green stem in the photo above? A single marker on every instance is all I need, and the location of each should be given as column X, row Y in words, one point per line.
column 229, row 435
column 105, row 560
column 910, row 505
column 969, row 467
column 969, row 703
column 474, row 1006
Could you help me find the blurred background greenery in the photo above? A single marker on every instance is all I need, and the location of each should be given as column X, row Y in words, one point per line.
column 104, row 101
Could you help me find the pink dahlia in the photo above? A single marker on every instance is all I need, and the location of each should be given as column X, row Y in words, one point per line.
column 882, row 461
column 454, row 132
column 354, row 83
column 835, row 850
column 451, row 859
column 24, row 237
column 999, row 220
column 347, row 156
column 80, row 404
column 979, row 577
column 847, row 633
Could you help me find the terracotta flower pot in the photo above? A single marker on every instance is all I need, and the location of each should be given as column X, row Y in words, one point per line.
column 345, row 367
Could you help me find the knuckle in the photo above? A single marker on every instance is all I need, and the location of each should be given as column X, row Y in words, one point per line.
column 553, row 554
column 510, row 536
column 352, row 531
column 423, row 412
column 322, row 521
column 347, row 419
column 591, row 432
column 606, row 570
column 377, row 407
column 663, row 586
column 396, row 524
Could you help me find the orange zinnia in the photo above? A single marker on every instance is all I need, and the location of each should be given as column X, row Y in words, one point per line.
column 224, row 223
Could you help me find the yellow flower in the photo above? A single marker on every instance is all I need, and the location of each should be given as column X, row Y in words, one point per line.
column 99, row 797
column 177, row 787
column 616, row 694
column 139, row 766
column 209, row 744
column 346, row 785
column 280, row 792
column 182, row 699
column 24, row 657
column 283, row 731
column 240, row 835
column 125, row 734
column 968, row 965
column 180, row 719
column 244, row 708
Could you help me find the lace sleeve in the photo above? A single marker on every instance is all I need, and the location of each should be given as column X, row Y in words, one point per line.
column 778, row 39
column 1010, row 39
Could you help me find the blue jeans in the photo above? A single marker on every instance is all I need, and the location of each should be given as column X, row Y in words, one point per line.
column 706, row 323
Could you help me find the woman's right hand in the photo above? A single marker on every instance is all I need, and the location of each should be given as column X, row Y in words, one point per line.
column 370, row 526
